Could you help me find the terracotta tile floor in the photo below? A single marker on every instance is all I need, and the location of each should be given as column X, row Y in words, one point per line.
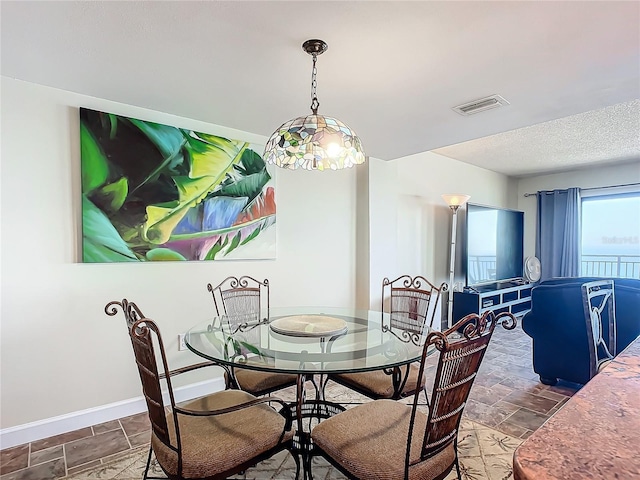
column 506, row 396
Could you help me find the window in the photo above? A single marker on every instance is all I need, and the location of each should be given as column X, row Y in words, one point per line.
column 610, row 245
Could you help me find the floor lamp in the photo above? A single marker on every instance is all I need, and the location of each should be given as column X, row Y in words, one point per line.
column 454, row 201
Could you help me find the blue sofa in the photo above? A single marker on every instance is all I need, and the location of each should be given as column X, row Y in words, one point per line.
column 557, row 325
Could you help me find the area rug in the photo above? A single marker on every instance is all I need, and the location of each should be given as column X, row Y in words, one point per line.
column 484, row 454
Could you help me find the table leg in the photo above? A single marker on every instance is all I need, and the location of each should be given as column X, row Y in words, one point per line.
column 304, row 446
column 320, row 386
column 315, row 411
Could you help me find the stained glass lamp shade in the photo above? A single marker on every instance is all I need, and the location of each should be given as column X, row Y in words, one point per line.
column 314, row 142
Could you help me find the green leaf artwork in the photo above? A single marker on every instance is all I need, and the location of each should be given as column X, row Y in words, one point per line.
column 153, row 192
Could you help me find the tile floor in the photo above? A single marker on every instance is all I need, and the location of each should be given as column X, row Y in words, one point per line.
column 506, row 396
column 484, row 454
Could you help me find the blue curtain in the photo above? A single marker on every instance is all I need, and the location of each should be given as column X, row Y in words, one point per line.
column 558, row 233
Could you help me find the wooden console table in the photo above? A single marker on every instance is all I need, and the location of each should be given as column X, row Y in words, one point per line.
column 596, row 434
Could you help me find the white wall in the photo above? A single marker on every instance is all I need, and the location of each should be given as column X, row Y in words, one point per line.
column 425, row 229
column 60, row 353
column 593, row 177
column 363, row 267
column 411, row 229
column 383, row 226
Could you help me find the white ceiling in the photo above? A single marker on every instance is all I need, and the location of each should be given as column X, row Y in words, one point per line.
column 393, row 70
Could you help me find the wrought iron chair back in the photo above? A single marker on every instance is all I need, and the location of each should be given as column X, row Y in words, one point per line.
column 599, row 309
column 458, row 366
column 141, row 332
column 240, row 299
column 239, row 303
column 413, row 304
column 131, row 311
column 142, row 340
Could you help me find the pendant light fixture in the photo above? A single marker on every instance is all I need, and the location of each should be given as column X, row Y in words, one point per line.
column 314, row 142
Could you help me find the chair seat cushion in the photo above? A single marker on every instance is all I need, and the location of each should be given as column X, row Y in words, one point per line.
column 379, row 384
column 256, row 382
column 376, row 449
column 213, row 445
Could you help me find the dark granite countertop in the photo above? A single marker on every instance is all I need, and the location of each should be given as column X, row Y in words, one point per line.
column 596, row 435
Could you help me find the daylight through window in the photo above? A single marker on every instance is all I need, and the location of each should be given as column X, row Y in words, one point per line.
column 611, row 236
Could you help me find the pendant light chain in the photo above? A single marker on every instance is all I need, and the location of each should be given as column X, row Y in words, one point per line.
column 314, row 98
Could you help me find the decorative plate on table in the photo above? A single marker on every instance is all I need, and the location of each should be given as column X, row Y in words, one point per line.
column 309, row 326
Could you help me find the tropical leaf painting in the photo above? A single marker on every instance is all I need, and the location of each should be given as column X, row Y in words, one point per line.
column 153, row 192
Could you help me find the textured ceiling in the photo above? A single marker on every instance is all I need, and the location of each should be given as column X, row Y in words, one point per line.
column 393, row 70
column 607, row 135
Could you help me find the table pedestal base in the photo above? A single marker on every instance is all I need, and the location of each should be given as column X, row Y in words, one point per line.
column 312, row 412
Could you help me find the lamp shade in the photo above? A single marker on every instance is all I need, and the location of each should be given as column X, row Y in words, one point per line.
column 314, row 142
column 455, row 199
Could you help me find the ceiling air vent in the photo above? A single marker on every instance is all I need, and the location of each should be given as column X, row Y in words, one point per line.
column 480, row 105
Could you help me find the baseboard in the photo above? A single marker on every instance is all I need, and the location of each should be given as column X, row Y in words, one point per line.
column 29, row 432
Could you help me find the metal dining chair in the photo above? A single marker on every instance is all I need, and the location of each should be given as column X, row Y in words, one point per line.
column 599, row 309
column 403, row 442
column 212, row 437
column 241, row 301
column 412, row 303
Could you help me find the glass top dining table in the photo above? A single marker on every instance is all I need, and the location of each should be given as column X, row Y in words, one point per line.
column 306, row 340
